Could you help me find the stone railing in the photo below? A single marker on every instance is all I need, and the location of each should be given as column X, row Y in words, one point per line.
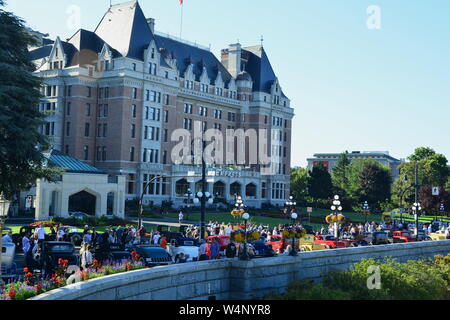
column 230, row 279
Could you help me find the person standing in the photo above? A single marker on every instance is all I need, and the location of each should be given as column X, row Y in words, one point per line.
column 7, row 238
column 214, row 249
column 41, row 234
column 230, row 251
column 180, row 217
column 86, row 257
column 202, row 251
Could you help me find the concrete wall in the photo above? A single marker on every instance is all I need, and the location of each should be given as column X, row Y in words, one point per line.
column 233, row 279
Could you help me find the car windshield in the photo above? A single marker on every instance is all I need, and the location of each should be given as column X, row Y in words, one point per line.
column 60, row 247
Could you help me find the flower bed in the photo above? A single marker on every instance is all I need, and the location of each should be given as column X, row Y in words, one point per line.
column 33, row 285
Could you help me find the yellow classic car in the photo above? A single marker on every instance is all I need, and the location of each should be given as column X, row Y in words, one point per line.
column 307, row 244
column 438, row 235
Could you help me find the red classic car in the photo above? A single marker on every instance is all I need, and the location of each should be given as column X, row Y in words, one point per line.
column 277, row 242
column 329, row 241
column 403, row 236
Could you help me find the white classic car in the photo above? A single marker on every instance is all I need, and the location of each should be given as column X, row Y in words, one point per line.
column 188, row 246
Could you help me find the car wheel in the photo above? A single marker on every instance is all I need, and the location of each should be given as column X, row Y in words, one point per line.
column 75, row 239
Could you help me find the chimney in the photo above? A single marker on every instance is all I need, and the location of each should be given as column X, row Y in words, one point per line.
column 151, row 24
column 234, row 59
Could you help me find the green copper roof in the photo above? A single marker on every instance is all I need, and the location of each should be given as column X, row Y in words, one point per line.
column 60, row 160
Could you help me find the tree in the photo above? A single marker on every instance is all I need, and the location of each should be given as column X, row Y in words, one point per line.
column 21, row 145
column 299, row 184
column 374, row 184
column 319, row 184
column 431, row 203
column 340, row 173
column 433, row 169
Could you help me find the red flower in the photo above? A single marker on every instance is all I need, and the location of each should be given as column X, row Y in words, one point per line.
column 25, row 270
column 138, row 256
column 12, row 293
column 29, row 274
column 60, row 261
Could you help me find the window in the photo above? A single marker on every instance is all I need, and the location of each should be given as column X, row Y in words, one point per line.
column 133, row 111
column 265, row 119
column 187, row 124
column 132, row 154
column 133, row 131
column 105, row 110
column 189, row 84
column 68, row 108
column 219, row 91
column 104, row 153
column 217, row 126
column 158, row 97
column 166, row 99
column 204, row 126
column 158, row 114
column 68, row 129
column 86, row 152
column 106, row 93
column 217, row 114
column 134, row 94
column 86, row 129
column 131, row 183
column 231, row 116
column 165, row 157
column 134, row 66
column 89, row 94
column 188, row 108
column 88, row 109
column 166, row 116
column 144, row 155
column 166, row 74
column 153, row 96
column 166, row 133
column 152, row 68
column 152, row 114
column 203, row 111
column 204, row 88
column 147, row 95
column 147, row 109
column 99, row 154
column 69, row 91
column 99, row 130
column 105, row 130
column 285, row 123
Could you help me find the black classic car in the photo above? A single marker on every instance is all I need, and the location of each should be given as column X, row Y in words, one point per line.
column 52, row 251
column 153, row 255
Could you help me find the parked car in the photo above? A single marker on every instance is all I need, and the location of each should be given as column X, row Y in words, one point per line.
column 113, row 252
column 75, row 236
column 438, row 235
column 78, row 215
column 153, row 255
column 263, row 249
column 188, row 246
column 403, row 236
column 380, row 237
column 52, row 251
column 8, row 266
column 330, row 242
column 277, row 242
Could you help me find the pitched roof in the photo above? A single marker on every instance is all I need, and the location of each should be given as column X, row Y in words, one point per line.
column 260, row 69
column 187, row 54
column 60, row 160
column 125, row 28
column 84, row 39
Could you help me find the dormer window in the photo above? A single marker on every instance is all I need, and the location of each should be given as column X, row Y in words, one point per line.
column 152, row 68
column 134, row 66
column 153, row 53
column 204, row 88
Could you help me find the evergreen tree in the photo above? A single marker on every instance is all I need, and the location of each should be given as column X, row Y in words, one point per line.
column 374, row 184
column 21, row 145
column 319, row 184
column 299, row 184
column 340, row 174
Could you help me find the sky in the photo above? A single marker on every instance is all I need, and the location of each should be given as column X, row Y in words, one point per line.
column 362, row 75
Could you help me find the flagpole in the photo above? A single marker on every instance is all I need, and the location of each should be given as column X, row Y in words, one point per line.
column 181, row 23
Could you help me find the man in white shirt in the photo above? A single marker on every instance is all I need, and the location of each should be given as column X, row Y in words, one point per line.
column 41, row 233
column 180, row 217
column 25, row 243
column 228, row 230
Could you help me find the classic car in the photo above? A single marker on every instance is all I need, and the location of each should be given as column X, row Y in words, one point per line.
column 403, row 236
column 113, row 252
column 438, row 235
column 8, row 266
column 262, row 249
column 153, row 255
column 188, row 246
column 52, row 251
column 278, row 243
column 330, row 242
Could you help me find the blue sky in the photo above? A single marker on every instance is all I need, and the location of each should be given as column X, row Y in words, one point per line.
column 352, row 88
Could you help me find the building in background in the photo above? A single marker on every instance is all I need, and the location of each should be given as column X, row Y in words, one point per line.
column 114, row 96
column 329, row 160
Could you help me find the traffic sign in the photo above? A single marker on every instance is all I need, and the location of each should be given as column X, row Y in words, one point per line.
column 309, row 209
column 435, row 191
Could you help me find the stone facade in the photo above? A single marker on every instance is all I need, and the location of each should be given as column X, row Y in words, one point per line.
column 230, row 279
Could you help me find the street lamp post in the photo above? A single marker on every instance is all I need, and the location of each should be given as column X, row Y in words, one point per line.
column 442, row 210
column 366, row 209
column 416, row 209
column 188, row 205
column 4, row 208
column 336, row 207
column 294, row 217
column 244, row 255
column 289, row 204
